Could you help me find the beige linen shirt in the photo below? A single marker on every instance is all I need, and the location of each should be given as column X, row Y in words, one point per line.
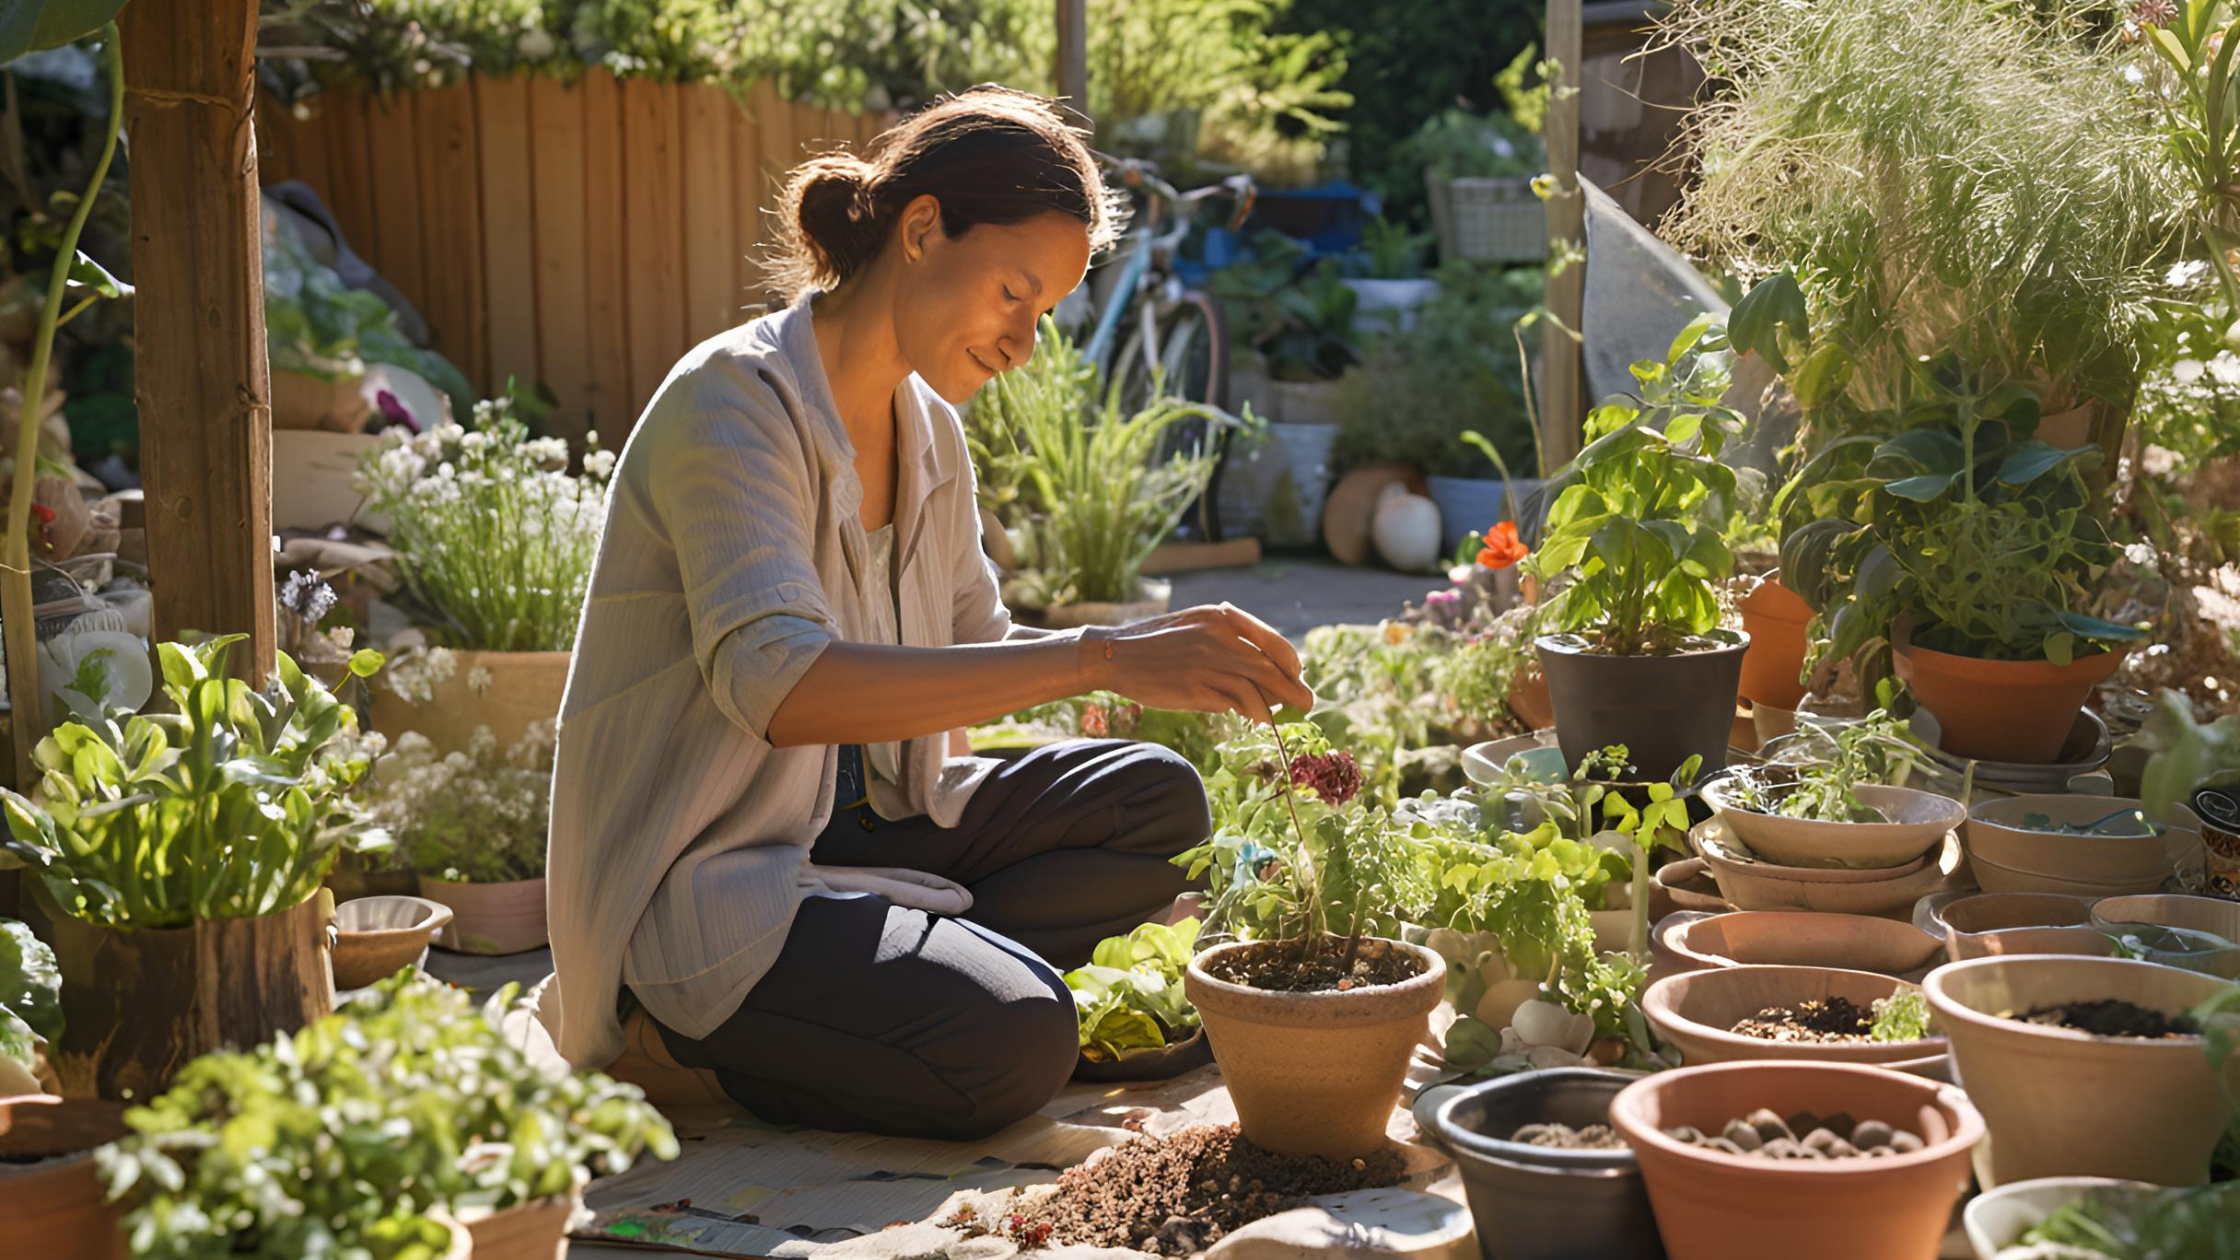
column 733, row 554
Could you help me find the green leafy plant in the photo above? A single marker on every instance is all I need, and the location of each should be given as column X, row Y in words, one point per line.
column 30, row 1002
column 2184, row 753
column 495, row 536
column 1818, row 774
column 1389, row 251
column 1298, row 317
column 2195, row 1221
column 1130, row 995
column 1903, row 1016
column 1460, row 144
column 233, row 806
column 317, row 326
column 406, row 1100
column 1632, row 530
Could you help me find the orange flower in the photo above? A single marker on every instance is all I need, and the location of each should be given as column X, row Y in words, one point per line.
column 1502, row 547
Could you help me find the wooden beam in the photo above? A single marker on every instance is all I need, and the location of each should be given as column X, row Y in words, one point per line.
column 200, row 376
column 1561, row 407
column 1073, row 53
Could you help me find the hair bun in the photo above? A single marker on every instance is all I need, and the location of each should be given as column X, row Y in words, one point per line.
column 835, row 214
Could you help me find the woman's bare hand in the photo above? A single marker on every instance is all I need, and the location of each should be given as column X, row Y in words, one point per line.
column 1210, row 659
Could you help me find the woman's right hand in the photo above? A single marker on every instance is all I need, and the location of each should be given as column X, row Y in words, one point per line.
column 1210, row 659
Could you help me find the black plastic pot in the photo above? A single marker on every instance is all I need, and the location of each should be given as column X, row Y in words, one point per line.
column 1664, row 709
column 1538, row 1202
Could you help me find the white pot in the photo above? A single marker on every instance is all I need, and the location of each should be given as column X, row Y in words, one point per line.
column 1393, row 301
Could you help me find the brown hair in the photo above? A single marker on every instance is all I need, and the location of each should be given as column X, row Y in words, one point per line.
column 989, row 155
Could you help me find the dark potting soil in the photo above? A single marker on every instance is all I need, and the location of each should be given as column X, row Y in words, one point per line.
column 1594, row 1137
column 2109, row 1017
column 1180, row 1194
column 1764, row 1135
column 1285, row 967
column 1834, row 1019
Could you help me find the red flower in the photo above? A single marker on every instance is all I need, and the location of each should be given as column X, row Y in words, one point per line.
column 1333, row 776
column 1502, row 547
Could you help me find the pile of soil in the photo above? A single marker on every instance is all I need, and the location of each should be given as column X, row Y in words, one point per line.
column 1595, row 1137
column 1177, row 1195
column 1764, row 1135
column 1835, row 1019
column 2110, row 1017
column 1286, row 967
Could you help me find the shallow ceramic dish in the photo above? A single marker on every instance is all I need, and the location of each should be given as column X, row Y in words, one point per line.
column 1997, row 1219
column 2084, row 753
column 1992, row 876
column 2196, row 933
column 1688, row 882
column 1918, row 821
column 376, row 937
column 1695, row 1012
column 1719, row 846
column 1753, row 886
column 1481, row 763
column 1989, row 924
column 1997, row 835
column 1791, row 938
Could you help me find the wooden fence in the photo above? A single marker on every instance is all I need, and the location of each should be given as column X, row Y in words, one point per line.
column 583, row 235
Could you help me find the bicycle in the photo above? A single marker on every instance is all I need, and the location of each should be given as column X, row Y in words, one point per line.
column 1153, row 333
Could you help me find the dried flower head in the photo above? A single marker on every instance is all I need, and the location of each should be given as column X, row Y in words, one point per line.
column 1334, row 776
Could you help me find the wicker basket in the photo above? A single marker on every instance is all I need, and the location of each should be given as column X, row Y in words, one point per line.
column 1491, row 220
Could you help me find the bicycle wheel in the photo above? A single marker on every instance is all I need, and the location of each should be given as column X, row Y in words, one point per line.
column 1182, row 352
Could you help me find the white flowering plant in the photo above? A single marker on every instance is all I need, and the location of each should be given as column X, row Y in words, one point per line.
column 476, row 815
column 495, row 535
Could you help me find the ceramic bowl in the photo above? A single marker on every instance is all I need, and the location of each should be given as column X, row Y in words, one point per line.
column 376, row 937
column 1719, row 845
column 2019, row 923
column 1689, row 884
column 1918, row 821
column 1696, row 1011
column 1755, row 886
column 1782, row 938
column 2207, row 938
column 2023, row 860
column 1997, row 1219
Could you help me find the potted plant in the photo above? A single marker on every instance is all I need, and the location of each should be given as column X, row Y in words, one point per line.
column 1136, row 1025
column 2101, row 1218
column 1716, row 1145
column 1312, row 1016
column 2085, row 1066
column 172, row 847
column 408, row 1097
column 495, row 539
column 1638, row 658
column 1099, row 486
column 2081, row 846
column 51, row 1192
column 1837, row 799
column 1478, row 171
column 472, row 823
column 1824, row 1014
column 1387, row 274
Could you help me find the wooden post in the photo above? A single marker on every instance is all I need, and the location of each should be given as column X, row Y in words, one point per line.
column 1073, row 53
column 1561, row 408
column 200, row 375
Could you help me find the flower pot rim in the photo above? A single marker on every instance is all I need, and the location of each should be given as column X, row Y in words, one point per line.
column 1552, row 643
column 479, row 883
column 1675, row 930
column 1906, row 648
column 439, row 916
column 1660, row 1003
column 1244, row 1002
column 1461, row 1142
column 1763, row 602
column 1715, row 794
column 1974, row 1213
column 1982, row 811
column 1946, row 1006
column 1966, row 1122
column 56, row 913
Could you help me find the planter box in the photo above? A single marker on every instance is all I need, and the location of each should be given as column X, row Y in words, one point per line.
column 1489, row 220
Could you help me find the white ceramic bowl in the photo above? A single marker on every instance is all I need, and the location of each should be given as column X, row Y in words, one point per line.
column 1919, row 820
column 1996, row 1219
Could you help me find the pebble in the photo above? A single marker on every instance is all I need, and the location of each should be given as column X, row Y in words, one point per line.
column 1871, row 1133
column 1768, row 1136
column 1743, row 1136
column 1768, row 1125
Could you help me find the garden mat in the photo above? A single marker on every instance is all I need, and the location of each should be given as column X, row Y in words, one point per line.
column 743, row 1188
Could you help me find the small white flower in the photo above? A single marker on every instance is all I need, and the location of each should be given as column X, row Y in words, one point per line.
column 479, row 680
column 599, row 464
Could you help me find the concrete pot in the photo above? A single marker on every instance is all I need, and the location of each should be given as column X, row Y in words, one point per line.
column 2009, row 857
column 2067, row 1103
column 1316, row 1073
column 1696, row 1010
column 1692, row 940
column 1715, row 1206
column 1390, row 303
column 1662, row 708
column 501, row 918
column 523, row 688
column 2011, row 711
column 1920, row 821
column 376, row 937
column 1775, row 618
column 1996, row 1220
column 58, row 1206
column 1998, row 924
column 1542, row 1203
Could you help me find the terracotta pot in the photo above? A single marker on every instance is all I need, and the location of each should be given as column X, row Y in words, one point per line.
column 2206, row 921
column 1760, row 886
column 1157, row 594
column 1991, row 925
column 58, row 1207
column 376, row 937
column 524, row 688
column 138, row 1005
column 1919, row 822
column 1664, row 709
column 2008, row 711
column 502, row 918
column 1998, row 1219
column 531, row 1231
column 1528, row 699
column 1696, row 1010
column 1537, row 1202
column 2009, row 857
column 1775, row 618
column 1316, row 1073
column 1691, row 940
column 1715, row 1206
column 2066, row 1103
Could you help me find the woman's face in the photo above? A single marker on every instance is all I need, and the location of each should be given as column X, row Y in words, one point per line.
column 968, row 305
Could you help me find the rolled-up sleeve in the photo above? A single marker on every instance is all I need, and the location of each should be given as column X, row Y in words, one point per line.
column 730, row 484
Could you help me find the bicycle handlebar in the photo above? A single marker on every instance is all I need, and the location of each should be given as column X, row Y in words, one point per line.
column 1140, row 173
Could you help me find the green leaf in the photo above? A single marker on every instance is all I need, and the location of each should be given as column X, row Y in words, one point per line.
column 1822, row 377
column 1922, row 489
column 2030, row 460
column 365, row 662
column 30, row 982
column 28, row 26
column 1774, row 303
column 2097, row 628
column 86, row 273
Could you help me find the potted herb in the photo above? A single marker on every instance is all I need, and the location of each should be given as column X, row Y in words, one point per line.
column 1824, row 1014
column 472, row 822
column 1313, row 1016
column 171, row 847
column 2102, row 1218
column 1136, row 1025
column 408, row 1095
column 30, row 1008
column 1387, row 274
column 1638, row 657
column 2085, row 846
column 495, row 539
column 1478, row 171
column 1838, row 798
